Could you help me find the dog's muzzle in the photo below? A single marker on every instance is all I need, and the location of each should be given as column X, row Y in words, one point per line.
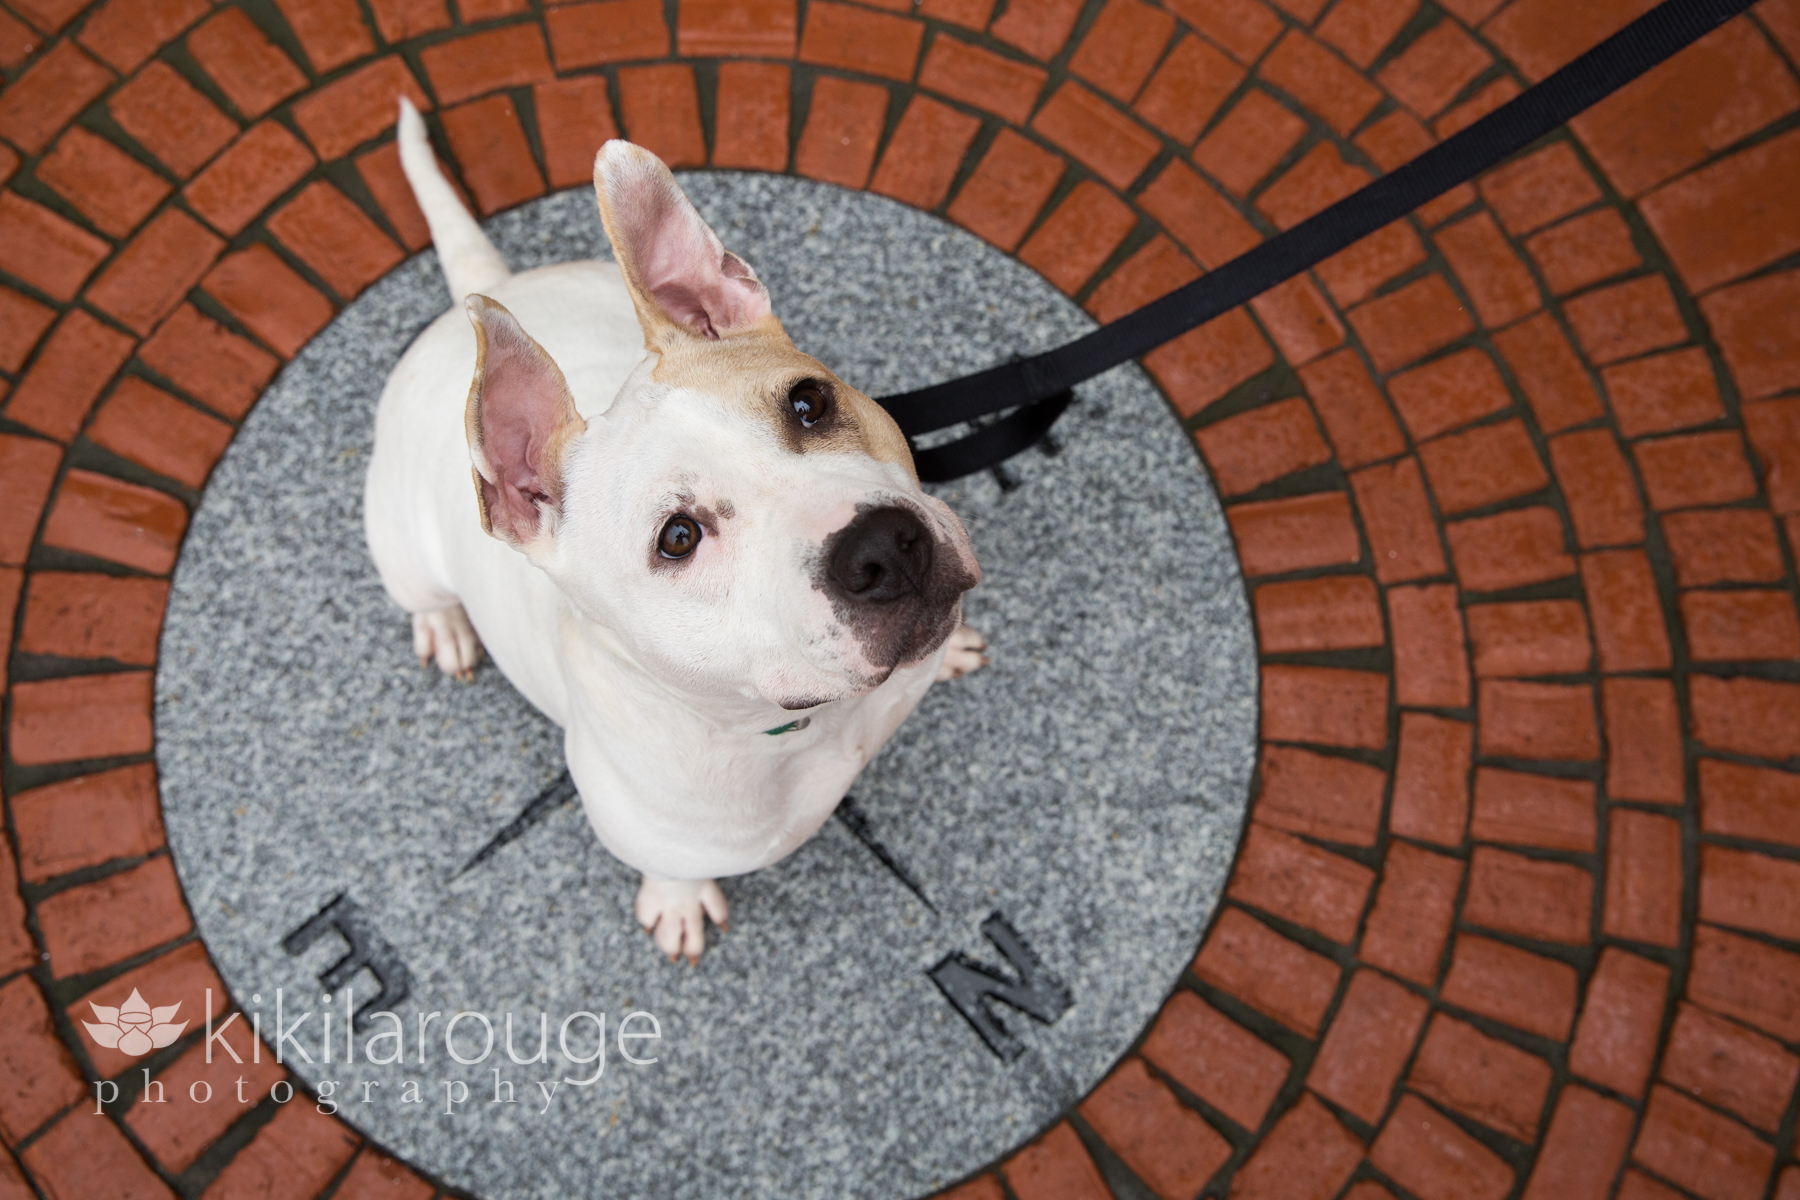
column 892, row 585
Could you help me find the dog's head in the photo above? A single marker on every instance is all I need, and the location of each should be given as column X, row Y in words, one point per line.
column 744, row 521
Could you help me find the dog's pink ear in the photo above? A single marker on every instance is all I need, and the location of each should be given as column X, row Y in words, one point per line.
column 520, row 420
column 679, row 273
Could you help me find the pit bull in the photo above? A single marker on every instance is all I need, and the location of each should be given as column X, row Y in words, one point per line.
column 701, row 553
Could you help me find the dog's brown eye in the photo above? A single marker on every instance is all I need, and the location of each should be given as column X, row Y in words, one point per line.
column 679, row 537
column 810, row 402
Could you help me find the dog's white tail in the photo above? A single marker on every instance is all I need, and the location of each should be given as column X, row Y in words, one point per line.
column 469, row 260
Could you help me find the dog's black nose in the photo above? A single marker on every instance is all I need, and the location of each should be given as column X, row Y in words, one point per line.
column 882, row 556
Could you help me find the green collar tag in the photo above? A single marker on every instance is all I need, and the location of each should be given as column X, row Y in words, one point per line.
column 790, row 727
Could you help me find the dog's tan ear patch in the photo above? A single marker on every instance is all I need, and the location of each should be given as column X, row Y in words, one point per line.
column 681, row 278
column 520, row 419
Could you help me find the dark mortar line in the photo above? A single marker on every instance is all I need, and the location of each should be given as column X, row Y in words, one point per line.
column 1424, row 18
column 1275, row 383
column 36, row 893
column 24, row 778
column 1118, row 1177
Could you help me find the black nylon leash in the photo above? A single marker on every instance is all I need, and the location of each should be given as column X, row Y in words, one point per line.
column 1040, row 387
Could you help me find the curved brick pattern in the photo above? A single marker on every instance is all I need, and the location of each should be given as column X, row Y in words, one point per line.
column 1515, row 484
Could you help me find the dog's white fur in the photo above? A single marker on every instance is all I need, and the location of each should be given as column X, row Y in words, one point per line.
column 664, row 675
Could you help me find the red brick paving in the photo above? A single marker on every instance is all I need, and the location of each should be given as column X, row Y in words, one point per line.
column 1038, row 27
column 1700, row 1149
column 1397, row 520
column 356, row 107
column 176, row 1134
column 269, row 298
column 327, row 232
column 1260, row 447
column 1009, row 186
column 1680, row 114
column 1079, row 236
column 1248, row 141
column 981, row 78
column 843, row 124
column 1321, row 81
column 22, row 322
column 1055, row 1167
column 1529, row 525
column 1095, row 134
column 1188, row 88
column 48, row 252
column 110, row 187
column 658, row 107
column 1484, row 1078
column 1597, row 487
column 86, row 821
column 1320, row 179
column 41, row 1077
column 171, row 118
column 1516, row 987
column 248, row 67
column 1142, row 1119
column 1338, row 612
column 261, row 165
column 1519, row 809
column 1415, row 905
column 1216, row 1059
column 1308, row 1153
column 115, row 918
column 296, row 1154
column 583, row 35
column 125, row 523
column 1273, row 975
column 1582, row 1148
column 1431, row 791
column 1730, row 1067
column 751, row 115
column 924, row 153
column 1584, row 250
column 1430, row 1155
column 155, row 270
column 48, row 94
column 222, row 370
column 1371, row 1038
column 74, row 365
column 488, row 134
column 183, row 971
column 1197, row 215
column 75, row 1158
column 375, row 1176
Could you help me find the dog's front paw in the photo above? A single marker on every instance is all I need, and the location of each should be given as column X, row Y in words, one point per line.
column 966, row 651
column 446, row 637
column 674, row 912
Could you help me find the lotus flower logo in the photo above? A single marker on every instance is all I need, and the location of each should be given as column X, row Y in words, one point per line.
column 134, row 1026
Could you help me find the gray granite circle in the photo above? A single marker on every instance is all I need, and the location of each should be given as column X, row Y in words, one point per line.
column 1088, row 787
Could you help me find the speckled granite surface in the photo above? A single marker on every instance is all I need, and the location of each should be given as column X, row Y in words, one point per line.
column 1089, row 785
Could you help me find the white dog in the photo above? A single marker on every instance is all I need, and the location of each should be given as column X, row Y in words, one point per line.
column 690, row 545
